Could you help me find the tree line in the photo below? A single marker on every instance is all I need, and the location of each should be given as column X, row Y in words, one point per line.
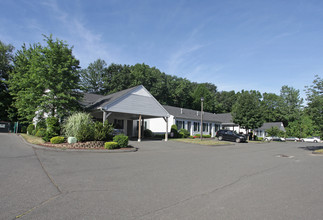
column 47, row 80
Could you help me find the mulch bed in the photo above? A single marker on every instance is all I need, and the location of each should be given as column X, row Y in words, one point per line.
column 95, row 145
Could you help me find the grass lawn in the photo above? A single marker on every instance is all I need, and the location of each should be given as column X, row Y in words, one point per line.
column 319, row 151
column 33, row 139
column 203, row 142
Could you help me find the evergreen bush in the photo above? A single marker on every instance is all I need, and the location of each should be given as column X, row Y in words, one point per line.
column 53, row 125
column 183, row 133
column 53, row 128
column 122, row 140
column 85, row 132
column 23, row 129
column 57, row 140
column 30, row 129
column 40, row 124
column 148, row 133
column 174, row 131
column 103, row 132
column 41, row 132
column 111, row 145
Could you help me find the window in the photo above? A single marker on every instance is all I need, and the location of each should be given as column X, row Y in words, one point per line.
column 179, row 124
column 196, row 126
column 118, row 124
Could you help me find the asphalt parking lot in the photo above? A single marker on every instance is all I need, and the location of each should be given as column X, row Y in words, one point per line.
column 162, row 180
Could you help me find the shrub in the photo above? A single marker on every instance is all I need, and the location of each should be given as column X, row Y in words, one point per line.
column 30, row 129
column 85, row 132
column 183, row 133
column 122, row 140
column 23, row 129
column 174, row 130
column 57, row 140
column 192, row 137
column 260, row 138
column 73, row 124
column 111, row 145
column 33, row 132
column 103, row 132
column 197, row 135
column 206, row 135
column 161, row 136
column 53, row 125
column 148, row 133
column 40, row 124
column 41, row 132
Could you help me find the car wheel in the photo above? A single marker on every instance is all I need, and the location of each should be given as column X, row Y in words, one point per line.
column 238, row 140
column 220, row 138
column 315, row 141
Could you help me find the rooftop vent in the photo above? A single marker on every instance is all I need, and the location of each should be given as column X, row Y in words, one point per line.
column 181, row 110
column 197, row 113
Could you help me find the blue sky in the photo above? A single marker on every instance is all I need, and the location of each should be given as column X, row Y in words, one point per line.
column 260, row 45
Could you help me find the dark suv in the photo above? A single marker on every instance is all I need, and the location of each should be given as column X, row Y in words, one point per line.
column 229, row 135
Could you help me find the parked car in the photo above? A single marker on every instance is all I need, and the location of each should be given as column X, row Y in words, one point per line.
column 312, row 139
column 228, row 135
column 292, row 139
column 274, row 139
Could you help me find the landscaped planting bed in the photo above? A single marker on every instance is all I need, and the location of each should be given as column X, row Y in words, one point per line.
column 80, row 145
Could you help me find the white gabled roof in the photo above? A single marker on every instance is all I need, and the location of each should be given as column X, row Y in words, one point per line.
column 136, row 100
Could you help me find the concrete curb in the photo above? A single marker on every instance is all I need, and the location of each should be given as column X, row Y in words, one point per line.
column 35, row 146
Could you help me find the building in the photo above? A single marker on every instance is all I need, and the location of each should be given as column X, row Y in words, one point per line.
column 261, row 132
column 127, row 110
column 188, row 119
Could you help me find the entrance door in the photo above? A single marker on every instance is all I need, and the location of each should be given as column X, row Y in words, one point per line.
column 129, row 128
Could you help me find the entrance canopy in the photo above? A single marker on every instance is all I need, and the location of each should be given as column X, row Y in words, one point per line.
column 131, row 104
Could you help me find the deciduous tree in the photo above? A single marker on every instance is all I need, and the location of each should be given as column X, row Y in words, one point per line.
column 315, row 102
column 92, row 78
column 247, row 111
column 6, row 58
column 45, row 80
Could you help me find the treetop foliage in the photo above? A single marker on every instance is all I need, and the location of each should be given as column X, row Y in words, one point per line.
column 44, row 80
column 41, row 79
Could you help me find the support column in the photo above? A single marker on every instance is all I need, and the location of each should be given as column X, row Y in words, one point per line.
column 104, row 116
column 143, row 128
column 166, row 133
column 139, row 129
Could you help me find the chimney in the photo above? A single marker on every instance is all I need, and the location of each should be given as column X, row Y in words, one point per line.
column 181, row 110
column 197, row 113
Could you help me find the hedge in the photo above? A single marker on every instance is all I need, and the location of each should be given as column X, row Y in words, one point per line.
column 122, row 140
column 111, row 145
column 30, row 129
column 57, row 140
column 41, row 132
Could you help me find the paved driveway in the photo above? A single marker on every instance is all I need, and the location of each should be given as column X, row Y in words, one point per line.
column 161, row 181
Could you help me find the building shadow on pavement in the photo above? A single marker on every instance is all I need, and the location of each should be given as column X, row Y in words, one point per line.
column 312, row 148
